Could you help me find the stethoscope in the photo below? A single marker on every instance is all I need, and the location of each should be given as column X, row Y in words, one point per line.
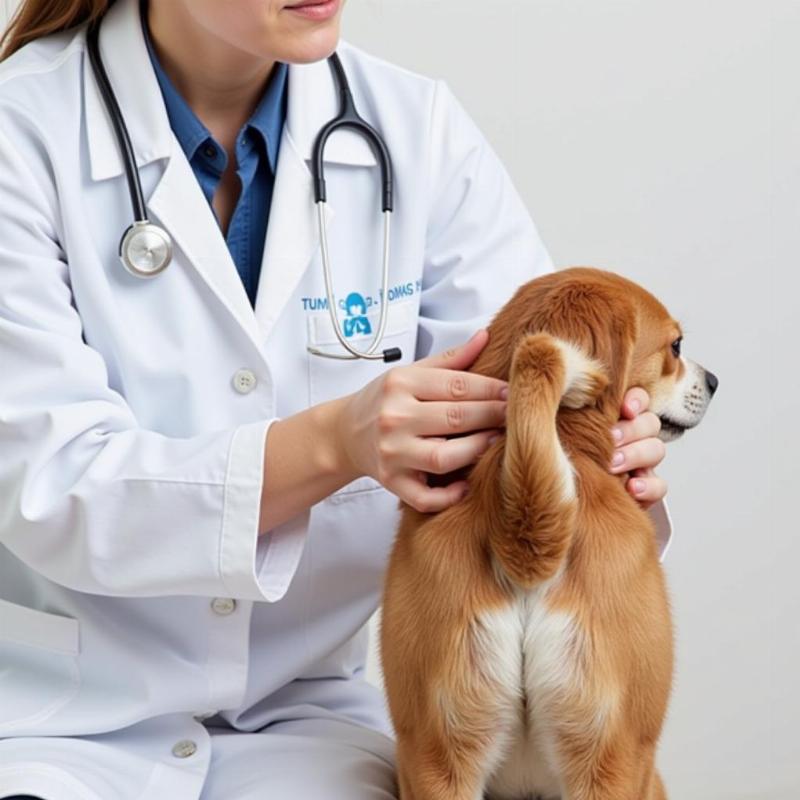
column 145, row 248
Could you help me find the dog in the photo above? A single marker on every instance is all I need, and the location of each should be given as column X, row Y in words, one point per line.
column 526, row 639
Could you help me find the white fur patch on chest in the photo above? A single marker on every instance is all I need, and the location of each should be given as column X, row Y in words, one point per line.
column 531, row 655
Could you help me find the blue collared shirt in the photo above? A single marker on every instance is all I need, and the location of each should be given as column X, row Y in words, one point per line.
column 257, row 145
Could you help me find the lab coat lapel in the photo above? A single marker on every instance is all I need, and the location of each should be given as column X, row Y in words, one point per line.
column 181, row 207
column 292, row 236
column 177, row 201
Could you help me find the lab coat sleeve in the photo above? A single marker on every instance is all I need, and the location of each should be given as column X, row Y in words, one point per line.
column 481, row 243
column 90, row 499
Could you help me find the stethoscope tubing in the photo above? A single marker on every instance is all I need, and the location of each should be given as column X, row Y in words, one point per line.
column 349, row 117
column 118, row 121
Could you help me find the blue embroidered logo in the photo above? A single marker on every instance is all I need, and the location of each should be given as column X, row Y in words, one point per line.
column 357, row 321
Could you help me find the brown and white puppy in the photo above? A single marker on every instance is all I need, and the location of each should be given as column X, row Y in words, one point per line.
column 526, row 639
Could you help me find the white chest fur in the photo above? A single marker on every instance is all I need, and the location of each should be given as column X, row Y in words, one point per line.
column 530, row 653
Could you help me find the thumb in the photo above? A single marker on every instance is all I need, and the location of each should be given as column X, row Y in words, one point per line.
column 459, row 357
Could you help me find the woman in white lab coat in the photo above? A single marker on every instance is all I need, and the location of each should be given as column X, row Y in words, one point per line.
column 196, row 512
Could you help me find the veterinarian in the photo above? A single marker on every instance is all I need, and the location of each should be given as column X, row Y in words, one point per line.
column 196, row 509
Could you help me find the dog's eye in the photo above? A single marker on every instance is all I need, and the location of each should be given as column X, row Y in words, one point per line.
column 676, row 347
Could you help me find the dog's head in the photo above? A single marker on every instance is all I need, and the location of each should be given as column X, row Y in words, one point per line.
column 679, row 388
column 618, row 323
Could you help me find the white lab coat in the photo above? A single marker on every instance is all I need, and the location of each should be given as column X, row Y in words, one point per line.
column 135, row 595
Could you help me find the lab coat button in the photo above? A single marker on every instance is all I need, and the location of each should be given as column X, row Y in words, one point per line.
column 244, row 381
column 184, row 748
column 223, row 606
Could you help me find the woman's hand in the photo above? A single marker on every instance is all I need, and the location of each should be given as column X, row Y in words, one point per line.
column 394, row 428
column 638, row 450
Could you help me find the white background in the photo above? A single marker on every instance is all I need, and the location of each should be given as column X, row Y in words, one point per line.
column 659, row 139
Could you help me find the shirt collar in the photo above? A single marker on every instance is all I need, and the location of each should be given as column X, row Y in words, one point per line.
column 267, row 119
column 270, row 112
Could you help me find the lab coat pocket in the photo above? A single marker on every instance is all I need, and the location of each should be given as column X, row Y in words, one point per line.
column 38, row 665
column 330, row 377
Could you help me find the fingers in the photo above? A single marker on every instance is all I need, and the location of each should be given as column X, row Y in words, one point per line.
column 440, row 456
column 437, row 383
column 413, row 489
column 635, row 401
column 646, row 487
column 643, row 454
column 442, row 419
column 643, row 426
column 635, row 435
column 459, row 357
column 437, row 456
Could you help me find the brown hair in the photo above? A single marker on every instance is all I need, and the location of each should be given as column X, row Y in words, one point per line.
column 35, row 18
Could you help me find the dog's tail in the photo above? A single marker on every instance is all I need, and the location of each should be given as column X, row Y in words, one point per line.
column 538, row 497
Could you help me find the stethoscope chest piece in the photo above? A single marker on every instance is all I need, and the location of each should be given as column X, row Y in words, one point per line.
column 145, row 249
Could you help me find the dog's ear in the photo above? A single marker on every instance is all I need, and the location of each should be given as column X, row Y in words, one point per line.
column 582, row 306
column 603, row 322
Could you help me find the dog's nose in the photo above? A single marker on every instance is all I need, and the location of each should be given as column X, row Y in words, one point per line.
column 711, row 382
